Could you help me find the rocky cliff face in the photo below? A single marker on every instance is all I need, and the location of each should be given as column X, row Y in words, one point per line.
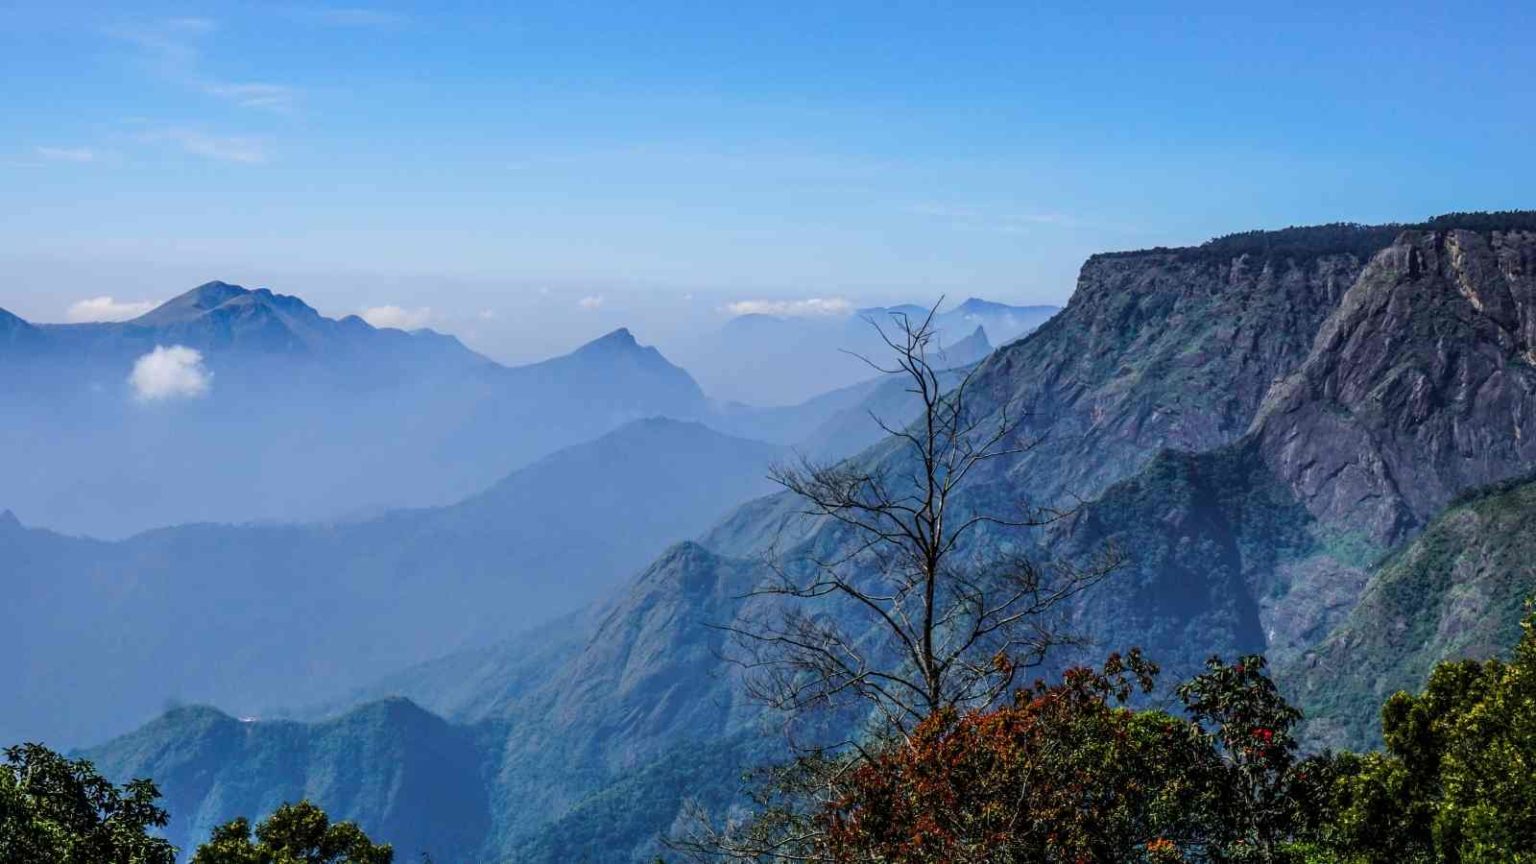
column 1418, row 386
column 1421, row 384
column 1168, row 349
column 1163, row 349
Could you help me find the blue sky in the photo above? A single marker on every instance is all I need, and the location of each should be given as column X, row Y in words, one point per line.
column 528, row 176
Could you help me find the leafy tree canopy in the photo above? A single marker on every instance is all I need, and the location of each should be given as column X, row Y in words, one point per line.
column 294, row 834
column 1455, row 783
column 55, row 810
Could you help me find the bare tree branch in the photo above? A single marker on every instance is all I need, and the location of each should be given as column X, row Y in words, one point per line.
column 914, row 599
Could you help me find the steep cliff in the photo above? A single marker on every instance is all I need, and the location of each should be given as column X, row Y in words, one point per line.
column 1421, row 384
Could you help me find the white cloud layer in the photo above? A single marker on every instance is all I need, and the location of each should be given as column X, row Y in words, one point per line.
column 809, row 307
column 106, row 309
column 590, row 303
column 165, row 373
column 397, row 317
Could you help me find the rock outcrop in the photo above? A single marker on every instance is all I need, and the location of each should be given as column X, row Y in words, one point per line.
column 1421, row 384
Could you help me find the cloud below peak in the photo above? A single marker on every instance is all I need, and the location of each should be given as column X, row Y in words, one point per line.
column 174, row 372
column 96, row 309
column 808, row 307
column 397, row 317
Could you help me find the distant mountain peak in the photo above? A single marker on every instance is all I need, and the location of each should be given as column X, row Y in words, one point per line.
column 187, row 306
column 214, row 295
column 8, row 520
column 911, row 310
column 210, row 295
column 970, row 349
column 617, row 341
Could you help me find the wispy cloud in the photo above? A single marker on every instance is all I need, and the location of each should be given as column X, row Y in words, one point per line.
column 220, row 148
column 397, row 317
column 591, row 303
column 67, row 154
column 272, row 97
column 172, row 48
column 808, row 307
column 106, row 309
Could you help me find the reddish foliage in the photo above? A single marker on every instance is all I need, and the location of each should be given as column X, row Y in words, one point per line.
column 1063, row 774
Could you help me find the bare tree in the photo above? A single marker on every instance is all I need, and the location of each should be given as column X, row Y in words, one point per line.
column 908, row 615
column 926, row 605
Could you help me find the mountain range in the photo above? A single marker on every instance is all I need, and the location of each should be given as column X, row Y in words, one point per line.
column 283, row 414
column 1312, row 443
column 773, row 359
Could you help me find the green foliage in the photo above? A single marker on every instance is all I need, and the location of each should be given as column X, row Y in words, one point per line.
column 1301, row 243
column 1455, row 591
column 1498, row 220
column 1455, row 783
column 390, row 766
column 55, row 810
column 1338, row 238
column 619, row 822
column 294, row 834
column 1265, row 799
